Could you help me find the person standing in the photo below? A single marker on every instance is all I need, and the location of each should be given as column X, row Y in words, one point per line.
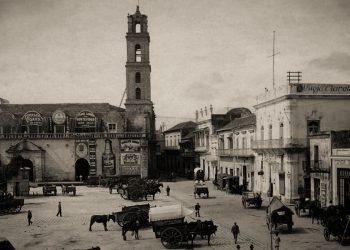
column 29, row 217
column 167, row 190
column 277, row 241
column 235, row 231
column 59, row 209
column 196, row 208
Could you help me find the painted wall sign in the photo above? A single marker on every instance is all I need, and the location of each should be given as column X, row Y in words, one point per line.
column 81, row 149
column 130, row 159
column 92, row 157
column 85, row 119
column 59, row 117
column 130, row 170
column 321, row 89
column 130, row 146
column 33, row 118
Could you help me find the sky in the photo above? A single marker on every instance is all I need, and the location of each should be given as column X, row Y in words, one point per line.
column 202, row 52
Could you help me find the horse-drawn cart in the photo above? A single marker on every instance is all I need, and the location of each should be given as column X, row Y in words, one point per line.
column 277, row 214
column 9, row 204
column 49, row 189
column 131, row 213
column 336, row 223
column 137, row 189
column 250, row 198
column 168, row 224
column 66, row 189
column 200, row 189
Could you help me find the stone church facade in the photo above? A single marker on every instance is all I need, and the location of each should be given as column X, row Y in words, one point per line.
column 66, row 142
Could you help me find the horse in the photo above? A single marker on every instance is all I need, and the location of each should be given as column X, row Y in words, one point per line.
column 316, row 211
column 203, row 229
column 152, row 189
column 101, row 219
column 133, row 226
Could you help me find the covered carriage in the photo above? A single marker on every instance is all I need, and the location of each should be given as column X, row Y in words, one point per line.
column 336, row 223
column 200, row 189
column 278, row 214
column 251, row 199
column 169, row 225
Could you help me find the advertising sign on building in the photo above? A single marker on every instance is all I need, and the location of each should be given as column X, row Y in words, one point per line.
column 59, row 117
column 33, row 118
column 108, row 159
column 130, row 145
column 85, row 119
column 81, row 149
column 321, row 89
column 92, row 157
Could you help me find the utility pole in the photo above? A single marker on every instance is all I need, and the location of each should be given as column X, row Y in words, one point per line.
column 273, row 60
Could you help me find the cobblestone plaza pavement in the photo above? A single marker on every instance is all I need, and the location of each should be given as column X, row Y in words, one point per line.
column 72, row 230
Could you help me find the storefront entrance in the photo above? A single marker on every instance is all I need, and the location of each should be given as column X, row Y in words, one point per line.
column 82, row 168
column 344, row 187
column 29, row 165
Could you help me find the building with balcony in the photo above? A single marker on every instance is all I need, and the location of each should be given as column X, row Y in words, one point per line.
column 286, row 117
column 177, row 139
column 206, row 139
column 79, row 140
column 329, row 168
column 235, row 154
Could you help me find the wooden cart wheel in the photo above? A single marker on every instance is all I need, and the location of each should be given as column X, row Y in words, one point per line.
column 124, row 194
column 131, row 216
column 326, row 234
column 171, row 237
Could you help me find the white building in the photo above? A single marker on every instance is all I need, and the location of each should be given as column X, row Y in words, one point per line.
column 286, row 116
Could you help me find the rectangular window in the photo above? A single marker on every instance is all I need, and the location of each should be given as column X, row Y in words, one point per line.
column 231, row 172
column 316, row 153
column 59, row 129
column 313, row 127
column 226, row 171
column 270, row 132
column 261, row 165
column 112, row 127
column 282, row 184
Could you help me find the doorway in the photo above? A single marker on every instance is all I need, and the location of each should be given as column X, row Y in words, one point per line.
column 344, row 188
column 82, row 168
column 29, row 164
column 317, row 189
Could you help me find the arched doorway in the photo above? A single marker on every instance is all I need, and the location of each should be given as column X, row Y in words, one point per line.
column 29, row 164
column 82, row 168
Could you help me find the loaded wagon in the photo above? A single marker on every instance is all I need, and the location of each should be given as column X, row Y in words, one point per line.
column 277, row 214
column 168, row 224
column 200, row 189
column 10, row 204
column 137, row 189
column 131, row 213
column 49, row 189
column 66, row 189
column 251, row 199
column 336, row 223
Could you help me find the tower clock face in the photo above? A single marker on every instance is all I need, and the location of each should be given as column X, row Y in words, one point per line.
column 81, row 150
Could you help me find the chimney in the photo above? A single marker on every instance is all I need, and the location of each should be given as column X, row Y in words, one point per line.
column 201, row 112
column 205, row 110
column 197, row 115
column 211, row 109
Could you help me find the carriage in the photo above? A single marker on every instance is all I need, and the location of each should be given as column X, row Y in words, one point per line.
column 131, row 213
column 66, row 189
column 169, row 225
column 278, row 214
column 137, row 189
column 49, row 189
column 9, row 204
column 336, row 223
column 200, row 189
column 302, row 204
column 228, row 183
column 250, row 198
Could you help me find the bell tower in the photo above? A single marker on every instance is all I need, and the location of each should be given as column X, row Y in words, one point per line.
column 139, row 107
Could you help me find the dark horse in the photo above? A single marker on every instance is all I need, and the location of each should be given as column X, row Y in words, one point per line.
column 132, row 226
column 316, row 211
column 101, row 219
column 152, row 189
column 202, row 228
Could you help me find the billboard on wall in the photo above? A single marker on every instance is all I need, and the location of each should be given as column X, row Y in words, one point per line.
column 33, row 118
column 85, row 119
column 321, row 89
column 130, row 146
column 130, row 157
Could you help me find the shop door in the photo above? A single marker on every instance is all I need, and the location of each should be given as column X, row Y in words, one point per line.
column 82, row 169
column 252, row 181
column 344, row 187
column 317, row 190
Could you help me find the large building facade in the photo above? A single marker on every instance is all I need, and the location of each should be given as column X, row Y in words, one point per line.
column 73, row 141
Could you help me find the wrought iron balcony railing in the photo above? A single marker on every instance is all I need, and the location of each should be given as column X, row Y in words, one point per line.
column 315, row 166
column 285, row 143
column 96, row 135
column 244, row 152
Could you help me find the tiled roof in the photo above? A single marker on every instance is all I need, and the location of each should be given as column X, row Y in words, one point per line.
column 71, row 109
column 183, row 125
column 190, row 135
column 239, row 123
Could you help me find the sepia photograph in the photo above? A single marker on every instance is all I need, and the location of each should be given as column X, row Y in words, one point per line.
column 174, row 124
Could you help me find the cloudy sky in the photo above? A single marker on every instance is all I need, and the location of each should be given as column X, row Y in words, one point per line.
column 202, row 51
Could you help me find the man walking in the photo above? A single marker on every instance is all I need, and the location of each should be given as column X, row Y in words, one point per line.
column 196, row 208
column 59, row 209
column 235, row 231
column 29, row 217
column 277, row 242
column 167, row 190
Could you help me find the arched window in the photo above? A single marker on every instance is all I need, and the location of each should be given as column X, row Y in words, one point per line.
column 270, row 132
column 262, row 133
column 138, row 77
column 137, row 53
column 138, row 93
column 138, row 28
